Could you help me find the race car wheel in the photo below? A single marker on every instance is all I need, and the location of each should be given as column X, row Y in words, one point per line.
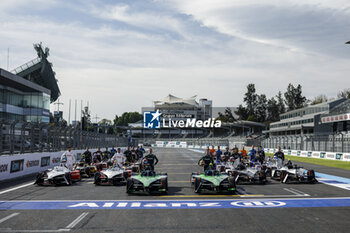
column 311, row 176
column 232, row 183
column 262, row 177
column 97, row 178
column 68, row 178
column 129, row 185
column 197, row 183
column 40, row 179
column 283, row 176
column 164, row 182
column 125, row 175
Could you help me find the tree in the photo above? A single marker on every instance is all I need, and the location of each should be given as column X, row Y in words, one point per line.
column 105, row 122
column 126, row 118
column 242, row 112
column 319, row 99
column 227, row 116
column 273, row 110
column 250, row 99
column 280, row 103
column 252, row 118
column 294, row 98
column 344, row 93
column 261, row 108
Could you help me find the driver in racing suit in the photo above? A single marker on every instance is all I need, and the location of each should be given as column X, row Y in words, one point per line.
column 118, row 158
column 68, row 159
column 86, row 156
column 97, row 156
column 151, row 159
column 279, row 154
column 207, row 160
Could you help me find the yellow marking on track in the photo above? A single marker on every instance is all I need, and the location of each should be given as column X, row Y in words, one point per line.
column 184, row 196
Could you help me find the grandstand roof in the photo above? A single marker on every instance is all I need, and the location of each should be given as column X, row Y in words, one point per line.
column 170, row 99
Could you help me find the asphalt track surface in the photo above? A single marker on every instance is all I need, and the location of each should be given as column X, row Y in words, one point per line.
column 179, row 164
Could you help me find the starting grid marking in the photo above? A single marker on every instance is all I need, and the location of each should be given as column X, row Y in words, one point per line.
column 175, row 204
column 335, row 181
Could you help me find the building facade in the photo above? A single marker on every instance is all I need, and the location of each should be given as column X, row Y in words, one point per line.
column 307, row 120
column 26, row 92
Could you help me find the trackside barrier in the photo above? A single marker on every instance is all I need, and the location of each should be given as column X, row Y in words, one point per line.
column 13, row 166
column 314, row 154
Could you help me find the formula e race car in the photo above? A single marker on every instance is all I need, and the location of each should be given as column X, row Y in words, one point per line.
column 251, row 173
column 58, row 175
column 213, row 180
column 147, row 181
column 290, row 173
column 113, row 175
column 85, row 169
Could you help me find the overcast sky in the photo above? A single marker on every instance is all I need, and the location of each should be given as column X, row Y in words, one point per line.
column 122, row 55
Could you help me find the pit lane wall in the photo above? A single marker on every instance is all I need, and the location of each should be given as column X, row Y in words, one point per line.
column 14, row 166
column 314, row 154
column 300, row 153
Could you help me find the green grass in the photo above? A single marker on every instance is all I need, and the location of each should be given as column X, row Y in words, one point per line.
column 324, row 162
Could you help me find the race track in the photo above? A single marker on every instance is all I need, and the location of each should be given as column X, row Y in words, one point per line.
column 84, row 207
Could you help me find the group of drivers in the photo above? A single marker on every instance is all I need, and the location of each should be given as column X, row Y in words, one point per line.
column 113, row 157
column 213, row 157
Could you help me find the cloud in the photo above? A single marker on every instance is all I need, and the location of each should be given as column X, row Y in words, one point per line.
column 122, row 56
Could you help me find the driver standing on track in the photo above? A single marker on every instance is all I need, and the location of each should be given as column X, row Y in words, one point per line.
column 218, row 154
column 207, row 160
column 118, row 158
column 280, row 154
column 68, row 158
column 106, row 155
column 128, row 155
column 151, row 159
column 86, row 156
column 97, row 156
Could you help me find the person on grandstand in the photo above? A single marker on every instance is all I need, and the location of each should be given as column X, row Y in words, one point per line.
column 218, row 154
column 97, row 156
column 261, row 155
column 118, row 158
column 86, row 156
column 279, row 154
column 68, row 158
column 252, row 154
column 106, row 155
column 152, row 159
column 128, row 155
column 113, row 151
column 206, row 161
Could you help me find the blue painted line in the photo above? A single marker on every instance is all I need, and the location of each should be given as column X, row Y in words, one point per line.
column 196, row 150
column 331, row 177
column 176, row 204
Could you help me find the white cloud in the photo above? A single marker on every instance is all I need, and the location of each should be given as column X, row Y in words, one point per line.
column 183, row 48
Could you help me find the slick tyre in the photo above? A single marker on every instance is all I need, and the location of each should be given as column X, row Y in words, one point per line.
column 97, row 179
column 197, row 183
column 129, row 185
column 283, row 177
column 164, row 182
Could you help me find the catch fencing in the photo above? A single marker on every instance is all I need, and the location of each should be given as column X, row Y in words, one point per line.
column 24, row 137
column 333, row 143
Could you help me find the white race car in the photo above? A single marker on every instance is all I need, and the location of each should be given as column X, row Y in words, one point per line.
column 58, row 175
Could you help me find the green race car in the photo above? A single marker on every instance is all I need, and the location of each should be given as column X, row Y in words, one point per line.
column 213, row 180
column 147, row 181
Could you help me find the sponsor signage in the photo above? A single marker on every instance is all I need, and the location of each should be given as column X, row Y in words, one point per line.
column 3, row 167
column 336, row 118
column 322, row 155
column 176, row 204
column 17, row 165
column 298, row 153
column 32, row 163
column 45, row 161
column 339, row 156
column 56, row 160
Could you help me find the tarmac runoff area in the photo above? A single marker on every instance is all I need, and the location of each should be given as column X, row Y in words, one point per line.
column 84, row 207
